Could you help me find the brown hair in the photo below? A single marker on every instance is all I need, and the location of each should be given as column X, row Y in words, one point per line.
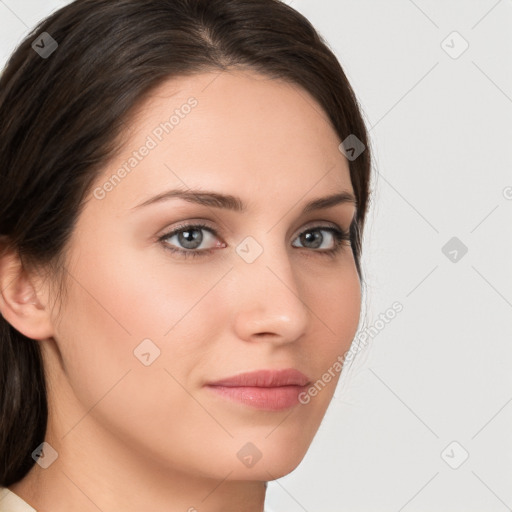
column 62, row 112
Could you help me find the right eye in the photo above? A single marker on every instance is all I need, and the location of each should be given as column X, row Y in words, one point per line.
column 189, row 237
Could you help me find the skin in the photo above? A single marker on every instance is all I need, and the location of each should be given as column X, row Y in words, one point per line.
column 133, row 437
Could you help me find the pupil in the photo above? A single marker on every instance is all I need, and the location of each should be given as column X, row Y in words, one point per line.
column 190, row 239
column 312, row 236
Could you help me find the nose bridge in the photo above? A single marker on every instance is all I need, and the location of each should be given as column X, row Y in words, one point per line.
column 269, row 296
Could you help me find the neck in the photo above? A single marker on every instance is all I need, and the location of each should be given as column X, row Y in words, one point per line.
column 106, row 477
column 97, row 470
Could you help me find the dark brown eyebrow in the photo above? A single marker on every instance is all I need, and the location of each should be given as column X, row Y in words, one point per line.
column 229, row 202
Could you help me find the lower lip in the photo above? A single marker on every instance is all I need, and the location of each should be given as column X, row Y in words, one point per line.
column 268, row 399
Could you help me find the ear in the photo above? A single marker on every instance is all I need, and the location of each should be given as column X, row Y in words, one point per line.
column 21, row 304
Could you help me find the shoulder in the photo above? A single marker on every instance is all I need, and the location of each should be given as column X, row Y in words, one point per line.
column 10, row 502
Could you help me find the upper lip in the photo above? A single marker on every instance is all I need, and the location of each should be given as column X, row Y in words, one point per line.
column 265, row 379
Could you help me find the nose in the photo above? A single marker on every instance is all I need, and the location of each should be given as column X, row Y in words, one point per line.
column 270, row 303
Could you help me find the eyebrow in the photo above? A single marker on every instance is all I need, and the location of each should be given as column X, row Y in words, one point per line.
column 233, row 203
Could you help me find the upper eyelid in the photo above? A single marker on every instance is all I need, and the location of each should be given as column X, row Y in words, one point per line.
column 203, row 225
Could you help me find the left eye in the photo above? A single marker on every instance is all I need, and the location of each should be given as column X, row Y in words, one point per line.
column 315, row 238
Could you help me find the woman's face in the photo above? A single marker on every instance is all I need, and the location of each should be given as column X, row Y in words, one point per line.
column 143, row 330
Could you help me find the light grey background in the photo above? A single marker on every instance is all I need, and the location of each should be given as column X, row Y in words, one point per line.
column 441, row 132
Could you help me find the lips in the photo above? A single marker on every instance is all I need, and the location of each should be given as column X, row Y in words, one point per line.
column 265, row 379
column 270, row 390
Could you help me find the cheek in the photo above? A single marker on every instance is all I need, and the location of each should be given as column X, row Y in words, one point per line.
column 117, row 300
column 108, row 312
column 334, row 300
column 138, row 294
column 340, row 307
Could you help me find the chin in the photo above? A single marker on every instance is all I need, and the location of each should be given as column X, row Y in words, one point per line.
column 276, row 460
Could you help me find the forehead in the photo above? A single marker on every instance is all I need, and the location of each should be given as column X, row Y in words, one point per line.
column 235, row 130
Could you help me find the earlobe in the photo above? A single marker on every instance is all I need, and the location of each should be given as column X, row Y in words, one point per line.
column 20, row 304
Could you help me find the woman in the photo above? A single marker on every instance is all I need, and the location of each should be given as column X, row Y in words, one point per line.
column 184, row 190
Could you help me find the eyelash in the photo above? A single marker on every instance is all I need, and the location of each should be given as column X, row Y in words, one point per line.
column 339, row 235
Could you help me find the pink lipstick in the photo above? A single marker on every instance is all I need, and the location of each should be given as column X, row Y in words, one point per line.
column 271, row 390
